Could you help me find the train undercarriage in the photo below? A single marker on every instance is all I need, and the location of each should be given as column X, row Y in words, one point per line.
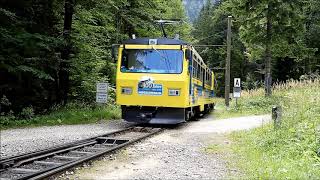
column 163, row 115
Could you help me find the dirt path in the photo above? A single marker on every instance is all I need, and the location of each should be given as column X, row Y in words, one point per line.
column 178, row 153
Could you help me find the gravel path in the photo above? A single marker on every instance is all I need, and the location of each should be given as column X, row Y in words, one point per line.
column 177, row 153
column 19, row 141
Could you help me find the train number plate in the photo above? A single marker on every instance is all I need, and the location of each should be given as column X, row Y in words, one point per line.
column 154, row 90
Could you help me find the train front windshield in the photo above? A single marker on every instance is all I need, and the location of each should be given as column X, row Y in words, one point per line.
column 152, row 61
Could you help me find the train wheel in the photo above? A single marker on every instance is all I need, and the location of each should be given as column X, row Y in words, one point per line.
column 187, row 114
column 197, row 114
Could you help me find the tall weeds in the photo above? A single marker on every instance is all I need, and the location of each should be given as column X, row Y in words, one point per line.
column 291, row 152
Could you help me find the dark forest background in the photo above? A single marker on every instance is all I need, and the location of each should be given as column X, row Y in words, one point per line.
column 55, row 51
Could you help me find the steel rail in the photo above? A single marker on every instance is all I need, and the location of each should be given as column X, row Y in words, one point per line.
column 110, row 142
column 7, row 162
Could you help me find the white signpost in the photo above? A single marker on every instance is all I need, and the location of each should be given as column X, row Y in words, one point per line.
column 237, row 89
column 102, row 93
column 237, row 82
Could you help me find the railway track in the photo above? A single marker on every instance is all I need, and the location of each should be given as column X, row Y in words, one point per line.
column 45, row 163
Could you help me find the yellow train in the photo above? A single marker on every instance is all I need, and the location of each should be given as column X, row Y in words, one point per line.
column 162, row 81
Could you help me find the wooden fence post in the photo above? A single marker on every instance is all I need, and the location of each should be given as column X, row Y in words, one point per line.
column 317, row 134
column 276, row 116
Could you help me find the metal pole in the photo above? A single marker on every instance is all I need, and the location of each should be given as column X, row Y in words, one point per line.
column 227, row 72
column 236, row 102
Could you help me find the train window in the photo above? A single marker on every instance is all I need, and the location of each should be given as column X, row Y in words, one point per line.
column 194, row 57
column 195, row 69
column 196, row 73
column 152, row 61
column 202, row 74
column 199, row 72
column 207, row 76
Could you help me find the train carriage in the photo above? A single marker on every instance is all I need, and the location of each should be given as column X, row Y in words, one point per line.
column 162, row 81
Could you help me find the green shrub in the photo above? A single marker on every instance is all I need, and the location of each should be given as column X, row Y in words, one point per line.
column 72, row 113
column 27, row 113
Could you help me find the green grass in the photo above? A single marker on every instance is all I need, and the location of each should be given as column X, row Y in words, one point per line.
column 71, row 114
column 250, row 103
column 289, row 152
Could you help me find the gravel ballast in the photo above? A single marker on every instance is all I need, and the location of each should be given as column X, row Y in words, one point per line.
column 177, row 153
column 18, row 141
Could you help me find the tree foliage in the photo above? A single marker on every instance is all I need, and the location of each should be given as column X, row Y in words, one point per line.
column 34, row 67
column 272, row 30
column 40, row 62
column 293, row 42
column 210, row 29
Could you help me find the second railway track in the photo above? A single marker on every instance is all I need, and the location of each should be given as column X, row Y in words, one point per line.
column 45, row 163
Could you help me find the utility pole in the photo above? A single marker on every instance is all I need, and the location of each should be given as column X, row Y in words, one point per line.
column 227, row 72
column 268, row 54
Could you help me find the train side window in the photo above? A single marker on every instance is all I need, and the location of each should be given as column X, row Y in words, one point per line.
column 195, row 69
column 203, row 76
column 196, row 75
column 194, row 65
column 199, row 71
column 203, row 73
column 124, row 60
column 208, row 77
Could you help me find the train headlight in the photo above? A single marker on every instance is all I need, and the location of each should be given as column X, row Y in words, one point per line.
column 174, row 92
column 126, row 90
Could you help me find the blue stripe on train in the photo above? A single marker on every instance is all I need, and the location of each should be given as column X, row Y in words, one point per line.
column 200, row 91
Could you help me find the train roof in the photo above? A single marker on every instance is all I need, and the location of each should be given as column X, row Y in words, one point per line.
column 160, row 41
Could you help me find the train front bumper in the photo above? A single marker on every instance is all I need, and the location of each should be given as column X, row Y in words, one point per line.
column 152, row 115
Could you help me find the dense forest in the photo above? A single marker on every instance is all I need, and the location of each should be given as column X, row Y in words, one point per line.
column 285, row 33
column 55, row 51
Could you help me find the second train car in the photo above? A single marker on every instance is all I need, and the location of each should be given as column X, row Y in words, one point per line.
column 162, row 81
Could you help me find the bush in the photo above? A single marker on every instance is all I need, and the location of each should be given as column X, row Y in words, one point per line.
column 72, row 113
column 27, row 113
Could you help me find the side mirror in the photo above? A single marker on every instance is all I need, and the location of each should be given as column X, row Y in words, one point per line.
column 114, row 52
column 189, row 54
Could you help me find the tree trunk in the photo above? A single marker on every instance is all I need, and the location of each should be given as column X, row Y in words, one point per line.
column 65, row 54
column 268, row 54
column 130, row 27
